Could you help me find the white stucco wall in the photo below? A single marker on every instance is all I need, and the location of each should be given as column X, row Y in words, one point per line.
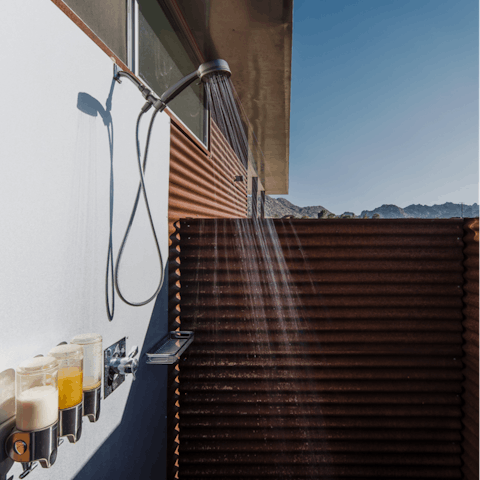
column 54, row 196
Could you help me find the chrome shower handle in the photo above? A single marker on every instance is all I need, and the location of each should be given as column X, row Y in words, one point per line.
column 125, row 365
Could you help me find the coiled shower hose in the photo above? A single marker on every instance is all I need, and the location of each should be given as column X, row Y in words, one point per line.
column 141, row 188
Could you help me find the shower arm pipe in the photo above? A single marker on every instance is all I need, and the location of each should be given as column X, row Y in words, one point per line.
column 175, row 90
column 202, row 72
column 160, row 104
column 146, row 92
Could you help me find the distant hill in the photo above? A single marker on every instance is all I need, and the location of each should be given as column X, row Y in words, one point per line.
column 280, row 207
column 447, row 210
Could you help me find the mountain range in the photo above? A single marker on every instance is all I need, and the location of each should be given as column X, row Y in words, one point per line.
column 280, row 207
column 446, row 210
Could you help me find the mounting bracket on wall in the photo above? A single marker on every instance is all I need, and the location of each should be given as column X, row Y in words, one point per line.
column 117, row 365
column 111, row 379
column 169, row 350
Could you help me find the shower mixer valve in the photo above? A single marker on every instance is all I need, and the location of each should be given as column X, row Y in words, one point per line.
column 125, row 365
column 118, row 364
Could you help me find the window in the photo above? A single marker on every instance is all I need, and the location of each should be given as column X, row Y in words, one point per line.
column 141, row 34
column 108, row 19
column 163, row 60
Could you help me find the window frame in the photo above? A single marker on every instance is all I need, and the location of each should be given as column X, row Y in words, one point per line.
column 133, row 61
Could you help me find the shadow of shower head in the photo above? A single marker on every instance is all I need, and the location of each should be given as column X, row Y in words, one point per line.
column 91, row 106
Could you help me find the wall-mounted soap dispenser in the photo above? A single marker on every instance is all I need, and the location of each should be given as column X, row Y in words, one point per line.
column 92, row 373
column 36, row 395
column 70, row 390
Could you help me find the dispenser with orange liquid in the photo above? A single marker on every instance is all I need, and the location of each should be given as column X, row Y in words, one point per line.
column 70, row 390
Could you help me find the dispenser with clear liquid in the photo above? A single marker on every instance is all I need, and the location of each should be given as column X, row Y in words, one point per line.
column 92, row 373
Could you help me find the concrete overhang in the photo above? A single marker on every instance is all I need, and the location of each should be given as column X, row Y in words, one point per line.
column 255, row 38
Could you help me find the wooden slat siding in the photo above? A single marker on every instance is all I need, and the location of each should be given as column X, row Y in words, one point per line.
column 470, row 347
column 368, row 386
column 203, row 185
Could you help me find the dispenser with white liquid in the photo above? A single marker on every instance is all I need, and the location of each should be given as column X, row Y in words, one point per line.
column 36, row 397
column 70, row 390
column 92, row 373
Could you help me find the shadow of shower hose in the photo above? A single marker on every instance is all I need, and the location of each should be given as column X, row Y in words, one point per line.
column 137, row 447
column 91, row 106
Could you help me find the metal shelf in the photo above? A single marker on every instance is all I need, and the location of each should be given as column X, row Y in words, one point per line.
column 169, row 350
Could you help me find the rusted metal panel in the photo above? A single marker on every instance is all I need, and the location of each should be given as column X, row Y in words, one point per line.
column 173, row 394
column 348, row 366
column 203, row 184
column 470, row 335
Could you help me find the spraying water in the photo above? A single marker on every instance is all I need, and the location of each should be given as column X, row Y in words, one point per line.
column 253, row 370
column 227, row 112
column 272, row 306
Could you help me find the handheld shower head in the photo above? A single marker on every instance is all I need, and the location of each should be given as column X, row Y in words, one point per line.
column 215, row 66
column 90, row 107
column 202, row 72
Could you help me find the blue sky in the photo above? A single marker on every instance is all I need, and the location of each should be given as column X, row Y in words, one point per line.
column 384, row 104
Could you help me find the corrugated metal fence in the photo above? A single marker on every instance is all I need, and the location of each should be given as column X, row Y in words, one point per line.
column 202, row 184
column 324, row 349
column 470, row 347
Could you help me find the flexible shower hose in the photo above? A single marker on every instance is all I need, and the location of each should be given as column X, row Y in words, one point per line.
column 141, row 188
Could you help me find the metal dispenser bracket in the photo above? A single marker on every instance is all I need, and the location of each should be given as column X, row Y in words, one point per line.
column 34, row 446
column 30, row 448
column 91, row 403
column 70, row 423
column 169, row 350
column 7, row 418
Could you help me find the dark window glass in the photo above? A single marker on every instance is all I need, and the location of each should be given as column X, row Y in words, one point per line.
column 108, row 19
column 164, row 60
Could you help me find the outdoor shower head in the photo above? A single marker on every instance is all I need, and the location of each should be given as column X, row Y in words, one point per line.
column 203, row 71
column 90, row 106
column 215, row 66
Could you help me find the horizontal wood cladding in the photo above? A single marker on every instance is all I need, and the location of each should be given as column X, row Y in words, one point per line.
column 470, row 335
column 323, row 349
column 203, row 184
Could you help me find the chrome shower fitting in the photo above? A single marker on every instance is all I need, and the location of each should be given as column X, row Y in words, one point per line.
column 146, row 92
column 203, row 71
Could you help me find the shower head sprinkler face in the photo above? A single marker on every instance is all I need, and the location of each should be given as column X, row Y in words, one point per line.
column 203, row 72
column 214, row 66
